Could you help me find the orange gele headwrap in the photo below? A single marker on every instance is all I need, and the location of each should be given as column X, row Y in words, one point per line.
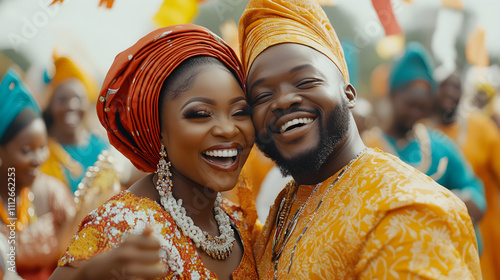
column 128, row 102
column 266, row 23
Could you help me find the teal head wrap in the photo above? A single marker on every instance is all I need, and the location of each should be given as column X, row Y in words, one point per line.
column 14, row 99
column 414, row 65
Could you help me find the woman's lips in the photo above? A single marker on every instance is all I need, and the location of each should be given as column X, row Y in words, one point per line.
column 223, row 157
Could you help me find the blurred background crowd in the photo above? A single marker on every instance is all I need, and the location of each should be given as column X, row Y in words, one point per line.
column 62, row 52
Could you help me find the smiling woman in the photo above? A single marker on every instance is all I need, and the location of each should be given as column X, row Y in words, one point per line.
column 72, row 147
column 193, row 129
column 38, row 208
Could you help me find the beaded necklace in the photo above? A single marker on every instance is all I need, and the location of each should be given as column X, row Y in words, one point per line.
column 280, row 237
column 218, row 247
column 25, row 210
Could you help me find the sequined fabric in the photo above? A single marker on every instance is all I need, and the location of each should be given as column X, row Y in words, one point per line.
column 124, row 214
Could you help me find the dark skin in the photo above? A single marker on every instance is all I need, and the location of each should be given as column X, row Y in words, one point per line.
column 447, row 99
column 414, row 103
column 25, row 152
column 211, row 114
column 287, row 76
column 67, row 108
column 218, row 120
column 409, row 105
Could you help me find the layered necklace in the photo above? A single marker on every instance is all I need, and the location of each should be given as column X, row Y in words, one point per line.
column 218, row 247
column 25, row 213
column 283, row 231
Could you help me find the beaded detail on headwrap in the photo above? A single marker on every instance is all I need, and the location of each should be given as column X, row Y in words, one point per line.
column 266, row 23
column 128, row 103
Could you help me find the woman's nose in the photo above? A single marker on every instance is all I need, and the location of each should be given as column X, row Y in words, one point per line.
column 225, row 128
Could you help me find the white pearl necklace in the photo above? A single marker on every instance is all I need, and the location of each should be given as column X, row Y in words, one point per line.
column 218, row 247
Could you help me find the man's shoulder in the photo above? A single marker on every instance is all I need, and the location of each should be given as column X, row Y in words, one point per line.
column 388, row 182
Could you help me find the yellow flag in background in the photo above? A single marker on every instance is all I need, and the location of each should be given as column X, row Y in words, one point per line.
column 174, row 12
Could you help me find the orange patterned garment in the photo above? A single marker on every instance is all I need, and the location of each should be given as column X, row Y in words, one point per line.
column 383, row 219
column 107, row 226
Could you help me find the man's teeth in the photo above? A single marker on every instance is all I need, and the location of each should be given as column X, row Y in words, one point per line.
column 294, row 122
column 222, row 153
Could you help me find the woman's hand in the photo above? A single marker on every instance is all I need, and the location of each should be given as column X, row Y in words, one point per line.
column 136, row 258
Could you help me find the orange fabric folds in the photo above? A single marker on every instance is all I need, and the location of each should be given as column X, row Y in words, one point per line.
column 128, row 101
column 266, row 23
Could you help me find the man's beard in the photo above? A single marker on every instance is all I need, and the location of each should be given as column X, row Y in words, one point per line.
column 449, row 116
column 330, row 136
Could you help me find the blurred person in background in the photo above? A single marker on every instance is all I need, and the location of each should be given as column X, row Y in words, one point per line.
column 44, row 206
column 479, row 139
column 485, row 99
column 433, row 153
column 73, row 148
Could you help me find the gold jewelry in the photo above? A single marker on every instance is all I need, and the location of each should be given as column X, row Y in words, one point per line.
column 294, row 220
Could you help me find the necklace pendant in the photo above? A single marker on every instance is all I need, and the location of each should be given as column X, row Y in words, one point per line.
column 288, row 233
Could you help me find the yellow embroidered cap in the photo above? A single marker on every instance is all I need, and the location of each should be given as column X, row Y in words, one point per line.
column 266, row 23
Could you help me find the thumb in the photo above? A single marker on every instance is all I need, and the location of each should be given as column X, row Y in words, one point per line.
column 147, row 231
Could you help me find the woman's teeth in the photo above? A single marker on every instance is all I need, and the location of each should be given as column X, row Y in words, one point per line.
column 222, row 153
column 294, row 122
column 71, row 118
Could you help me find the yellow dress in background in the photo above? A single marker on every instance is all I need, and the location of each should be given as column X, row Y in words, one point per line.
column 479, row 139
column 383, row 219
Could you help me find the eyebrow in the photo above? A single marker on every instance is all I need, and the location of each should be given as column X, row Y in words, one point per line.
column 210, row 101
column 294, row 69
column 198, row 99
column 236, row 99
column 300, row 67
column 256, row 83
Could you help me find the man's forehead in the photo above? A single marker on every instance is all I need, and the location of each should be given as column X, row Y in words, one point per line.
column 287, row 57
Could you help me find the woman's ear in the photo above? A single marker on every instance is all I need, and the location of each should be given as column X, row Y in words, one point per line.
column 350, row 93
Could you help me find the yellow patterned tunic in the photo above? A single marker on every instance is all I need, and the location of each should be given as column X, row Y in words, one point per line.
column 107, row 226
column 383, row 219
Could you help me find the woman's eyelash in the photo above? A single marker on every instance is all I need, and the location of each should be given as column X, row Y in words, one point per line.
column 243, row 112
column 196, row 114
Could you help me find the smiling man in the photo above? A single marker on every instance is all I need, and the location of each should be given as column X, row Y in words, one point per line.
column 350, row 212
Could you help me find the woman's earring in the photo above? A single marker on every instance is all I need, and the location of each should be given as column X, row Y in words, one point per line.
column 164, row 183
